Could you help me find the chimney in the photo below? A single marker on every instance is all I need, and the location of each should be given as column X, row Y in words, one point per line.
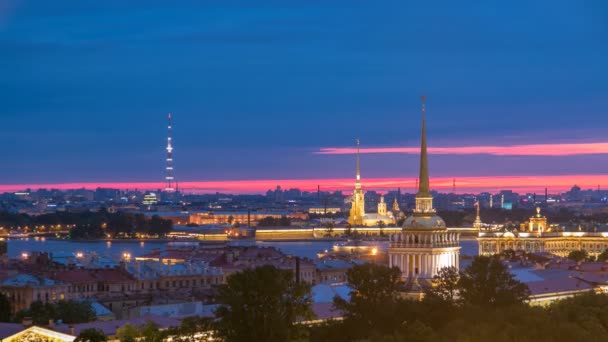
column 27, row 322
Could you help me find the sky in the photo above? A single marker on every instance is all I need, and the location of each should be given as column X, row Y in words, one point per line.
column 270, row 93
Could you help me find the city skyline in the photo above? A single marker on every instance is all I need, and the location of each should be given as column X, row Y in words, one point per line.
column 514, row 94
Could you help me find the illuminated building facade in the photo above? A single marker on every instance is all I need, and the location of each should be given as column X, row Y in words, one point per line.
column 373, row 219
column 425, row 245
column 150, row 199
column 357, row 216
column 241, row 217
column 536, row 236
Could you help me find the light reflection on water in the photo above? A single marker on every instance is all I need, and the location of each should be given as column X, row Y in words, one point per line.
column 116, row 249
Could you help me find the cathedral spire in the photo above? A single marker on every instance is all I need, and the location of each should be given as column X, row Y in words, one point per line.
column 423, row 185
column 358, row 181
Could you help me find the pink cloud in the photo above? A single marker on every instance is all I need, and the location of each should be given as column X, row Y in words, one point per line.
column 513, row 150
column 443, row 184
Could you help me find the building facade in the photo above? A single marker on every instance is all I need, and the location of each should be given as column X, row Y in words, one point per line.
column 536, row 236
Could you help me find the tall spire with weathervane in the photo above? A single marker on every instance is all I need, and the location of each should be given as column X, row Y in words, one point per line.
column 424, row 200
column 358, row 201
column 358, row 181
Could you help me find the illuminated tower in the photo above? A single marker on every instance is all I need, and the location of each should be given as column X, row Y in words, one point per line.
column 477, row 223
column 358, row 202
column 169, row 178
column 425, row 245
column 382, row 207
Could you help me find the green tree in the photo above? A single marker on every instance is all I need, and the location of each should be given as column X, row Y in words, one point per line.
column 150, row 332
column 588, row 311
column 262, row 304
column 329, row 228
column 373, row 299
column 603, row 257
column 192, row 329
column 128, row 333
column 5, row 309
column 40, row 313
column 445, row 284
column 72, row 312
column 578, row 255
column 488, row 283
column 3, row 247
column 91, row 335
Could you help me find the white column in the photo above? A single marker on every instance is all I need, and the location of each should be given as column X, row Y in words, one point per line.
column 423, row 262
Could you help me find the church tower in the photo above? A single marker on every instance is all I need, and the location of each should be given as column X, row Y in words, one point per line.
column 381, row 206
column 357, row 209
column 425, row 245
column 477, row 224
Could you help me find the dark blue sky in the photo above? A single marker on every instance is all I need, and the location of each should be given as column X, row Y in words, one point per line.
column 256, row 88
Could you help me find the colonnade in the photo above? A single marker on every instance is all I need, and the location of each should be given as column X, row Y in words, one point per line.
column 423, row 265
column 421, row 238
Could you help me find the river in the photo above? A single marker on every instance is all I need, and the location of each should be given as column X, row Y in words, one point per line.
column 115, row 249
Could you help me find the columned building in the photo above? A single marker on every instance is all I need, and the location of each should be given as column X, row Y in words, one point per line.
column 424, row 246
column 536, row 236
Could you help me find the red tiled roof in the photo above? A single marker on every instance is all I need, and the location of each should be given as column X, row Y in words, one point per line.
column 96, row 275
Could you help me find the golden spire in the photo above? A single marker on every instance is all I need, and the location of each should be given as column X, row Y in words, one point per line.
column 423, row 184
column 358, row 181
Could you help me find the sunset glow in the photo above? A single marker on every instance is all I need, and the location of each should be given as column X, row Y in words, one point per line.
column 513, row 150
column 534, row 183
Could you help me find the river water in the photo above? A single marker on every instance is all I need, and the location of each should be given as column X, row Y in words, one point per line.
column 115, row 249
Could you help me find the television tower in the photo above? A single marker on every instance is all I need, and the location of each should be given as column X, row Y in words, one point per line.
column 169, row 167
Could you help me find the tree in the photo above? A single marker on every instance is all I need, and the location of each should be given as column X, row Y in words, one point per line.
column 329, row 228
column 603, row 257
column 72, row 312
column 5, row 309
column 3, row 247
column 40, row 313
column 488, row 283
column 445, row 284
column 127, row 333
column 373, row 298
column 381, row 224
column 578, row 255
column 91, row 335
column 150, row 332
column 192, row 329
column 262, row 304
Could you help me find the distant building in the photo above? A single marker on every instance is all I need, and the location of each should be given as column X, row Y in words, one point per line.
column 536, row 236
column 357, row 215
column 241, row 217
column 324, row 210
column 150, row 199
